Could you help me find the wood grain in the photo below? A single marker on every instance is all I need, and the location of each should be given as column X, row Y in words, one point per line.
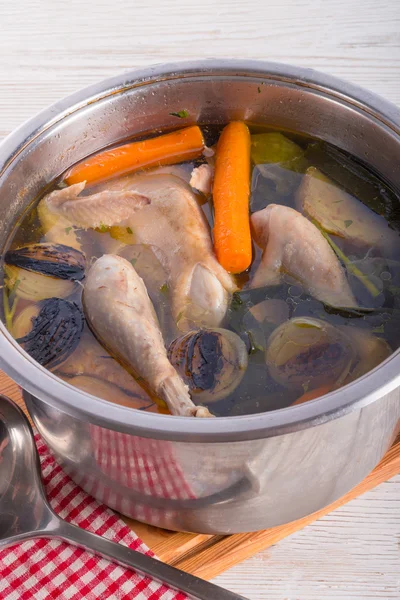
column 50, row 49
column 351, row 554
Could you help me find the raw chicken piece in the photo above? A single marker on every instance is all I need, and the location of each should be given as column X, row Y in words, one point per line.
column 57, row 228
column 174, row 223
column 97, row 210
column 202, row 178
column 339, row 213
column 110, row 392
column 90, row 359
column 294, row 245
column 121, row 314
column 125, row 181
column 162, row 211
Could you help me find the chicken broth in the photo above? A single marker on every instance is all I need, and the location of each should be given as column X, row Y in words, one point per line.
column 120, row 287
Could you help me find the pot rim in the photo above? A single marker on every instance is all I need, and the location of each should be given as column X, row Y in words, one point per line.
column 53, row 391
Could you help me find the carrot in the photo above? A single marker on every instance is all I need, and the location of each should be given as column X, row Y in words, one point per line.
column 167, row 149
column 231, row 191
column 313, row 394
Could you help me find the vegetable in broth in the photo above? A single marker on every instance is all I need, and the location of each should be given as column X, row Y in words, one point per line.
column 209, row 271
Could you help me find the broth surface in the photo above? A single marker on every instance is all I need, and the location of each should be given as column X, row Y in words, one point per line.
column 278, row 171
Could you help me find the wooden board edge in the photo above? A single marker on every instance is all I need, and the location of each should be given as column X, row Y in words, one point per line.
column 169, row 546
column 230, row 550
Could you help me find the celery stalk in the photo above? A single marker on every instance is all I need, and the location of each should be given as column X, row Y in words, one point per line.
column 373, row 290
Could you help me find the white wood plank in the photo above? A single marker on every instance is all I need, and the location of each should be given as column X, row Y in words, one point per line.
column 351, row 554
column 49, row 49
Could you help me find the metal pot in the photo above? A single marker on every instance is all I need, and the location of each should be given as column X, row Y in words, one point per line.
column 229, row 474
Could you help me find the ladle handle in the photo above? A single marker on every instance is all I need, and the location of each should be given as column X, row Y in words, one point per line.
column 194, row 587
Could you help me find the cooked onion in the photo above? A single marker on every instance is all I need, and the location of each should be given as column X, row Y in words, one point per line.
column 55, row 332
column 212, row 362
column 305, row 353
column 45, row 270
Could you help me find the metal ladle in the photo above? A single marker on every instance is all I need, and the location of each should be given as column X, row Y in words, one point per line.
column 26, row 514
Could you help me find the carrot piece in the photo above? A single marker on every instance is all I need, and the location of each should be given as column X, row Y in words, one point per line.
column 313, row 394
column 231, row 192
column 167, row 149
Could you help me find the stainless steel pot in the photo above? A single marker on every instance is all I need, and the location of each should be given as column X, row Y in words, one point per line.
column 222, row 475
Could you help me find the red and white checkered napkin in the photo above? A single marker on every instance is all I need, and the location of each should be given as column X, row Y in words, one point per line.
column 42, row 569
column 145, row 466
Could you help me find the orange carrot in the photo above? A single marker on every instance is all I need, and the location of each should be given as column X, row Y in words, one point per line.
column 167, row 149
column 231, row 191
column 313, row 394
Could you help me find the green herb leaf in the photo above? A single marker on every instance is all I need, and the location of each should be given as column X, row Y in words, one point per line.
column 179, row 317
column 133, row 262
column 305, row 386
column 254, row 347
column 259, row 90
column 347, row 223
column 236, row 301
column 337, row 201
column 373, row 290
column 9, row 311
column 103, row 228
column 67, row 230
column 129, row 230
column 181, row 114
column 164, row 288
column 380, row 329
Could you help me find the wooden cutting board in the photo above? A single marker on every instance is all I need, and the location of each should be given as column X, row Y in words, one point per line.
column 210, row 555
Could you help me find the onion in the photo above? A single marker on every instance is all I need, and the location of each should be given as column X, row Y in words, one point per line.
column 211, row 362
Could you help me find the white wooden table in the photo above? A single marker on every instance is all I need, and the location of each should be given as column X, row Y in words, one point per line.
column 49, row 49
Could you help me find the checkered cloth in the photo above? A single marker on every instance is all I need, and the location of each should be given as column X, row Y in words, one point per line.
column 148, row 468
column 42, row 569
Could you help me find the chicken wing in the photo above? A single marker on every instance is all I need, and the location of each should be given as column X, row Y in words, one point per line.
column 292, row 244
column 162, row 211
